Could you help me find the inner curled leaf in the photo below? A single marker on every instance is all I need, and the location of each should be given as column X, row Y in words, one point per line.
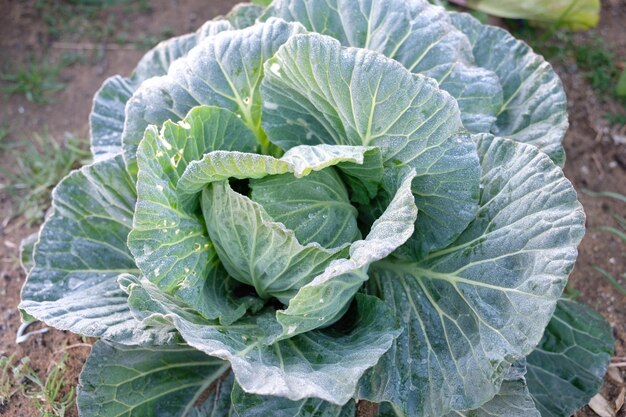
column 317, row 207
column 258, row 251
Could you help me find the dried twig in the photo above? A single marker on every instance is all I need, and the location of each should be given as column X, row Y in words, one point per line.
column 619, row 401
column 66, row 348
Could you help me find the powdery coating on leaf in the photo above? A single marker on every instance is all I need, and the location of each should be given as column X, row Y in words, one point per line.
column 244, row 15
column 300, row 160
column 471, row 309
column 225, row 71
column 322, row 364
column 323, row 299
column 316, row 105
column 534, row 110
column 250, row 405
column 169, row 239
column 81, row 252
column 99, row 311
column 500, row 84
column 27, row 245
column 513, row 400
column 106, row 120
column 418, row 35
column 107, row 117
column 219, row 166
column 367, row 99
column 96, row 201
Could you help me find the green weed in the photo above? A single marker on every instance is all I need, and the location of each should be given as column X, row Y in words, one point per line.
column 608, row 194
column 61, row 18
column 598, row 65
column 36, row 80
column 4, row 132
column 619, row 232
column 149, row 40
column 609, row 277
column 69, row 59
column 620, row 90
column 47, row 395
column 571, row 292
column 39, row 165
column 615, row 118
column 87, row 20
column 6, row 382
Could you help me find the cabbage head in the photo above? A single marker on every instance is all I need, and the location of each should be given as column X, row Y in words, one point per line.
column 317, row 202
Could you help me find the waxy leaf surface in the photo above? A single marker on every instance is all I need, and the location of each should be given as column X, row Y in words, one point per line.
column 471, row 309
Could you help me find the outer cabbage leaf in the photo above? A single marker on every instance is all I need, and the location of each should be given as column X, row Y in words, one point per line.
column 106, row 120
column 107, row 116
column 27, row 245
column 250, row 405
column 438, row 193
column 357, row 97
column 228, row 399
column 471, row 309
column 322, row 300
column 163, row 381
column 325, row 364
column 493, row 76
column 157, row 61
column 81, row 251
column 224, row 71
column 513, row 400
column 244, row 15
column 169, row 240
column 419, row 36
column 571, row 360
column 535, row 108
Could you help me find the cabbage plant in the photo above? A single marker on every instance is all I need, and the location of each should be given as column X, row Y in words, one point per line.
column 318, row 202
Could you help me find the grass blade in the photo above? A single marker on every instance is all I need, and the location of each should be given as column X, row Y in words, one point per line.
column 609, row 194
column 619, row 287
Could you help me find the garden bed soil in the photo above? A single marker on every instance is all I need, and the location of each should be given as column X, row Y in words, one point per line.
column 596, row 160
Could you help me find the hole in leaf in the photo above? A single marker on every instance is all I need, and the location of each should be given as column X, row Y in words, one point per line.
column 240, row 186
